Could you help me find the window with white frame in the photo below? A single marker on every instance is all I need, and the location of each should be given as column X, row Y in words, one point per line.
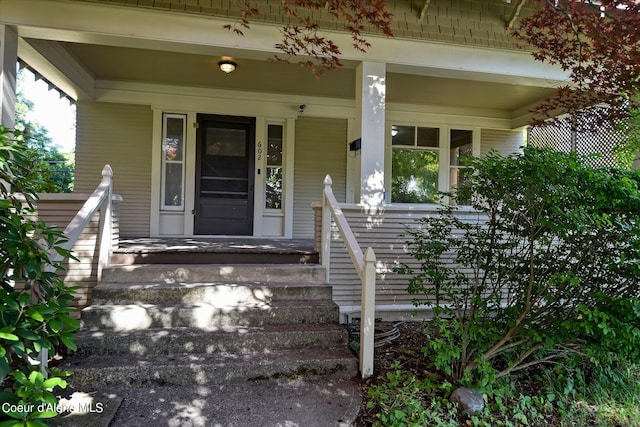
column 460, row 151
column 273, row 178
column 421, row 165
column 414, row 164
column 173, row 142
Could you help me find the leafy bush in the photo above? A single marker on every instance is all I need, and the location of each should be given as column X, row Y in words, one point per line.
column 35, row 306
column 555, row 244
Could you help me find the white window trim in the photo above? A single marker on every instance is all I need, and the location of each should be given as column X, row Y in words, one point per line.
column 444, row 159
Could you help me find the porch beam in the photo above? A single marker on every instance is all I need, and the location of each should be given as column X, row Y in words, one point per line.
column 95, row 23
column 55, row 63
column 8, row 63
column 370, row 125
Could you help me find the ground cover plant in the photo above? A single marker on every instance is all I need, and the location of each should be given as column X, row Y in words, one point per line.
column 35, row 306
column 535, row 305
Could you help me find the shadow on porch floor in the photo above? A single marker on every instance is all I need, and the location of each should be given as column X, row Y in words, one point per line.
column 194, row 250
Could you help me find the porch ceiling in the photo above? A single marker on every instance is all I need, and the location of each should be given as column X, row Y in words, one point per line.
column 197, row 70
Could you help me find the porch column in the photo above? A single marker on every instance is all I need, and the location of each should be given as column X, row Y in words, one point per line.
column 369, row 127
column 8, row 62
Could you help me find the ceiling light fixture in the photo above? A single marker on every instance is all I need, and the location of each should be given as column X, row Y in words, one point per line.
column 227, row 66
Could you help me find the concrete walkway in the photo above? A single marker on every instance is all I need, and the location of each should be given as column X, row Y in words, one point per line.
column 249, row 404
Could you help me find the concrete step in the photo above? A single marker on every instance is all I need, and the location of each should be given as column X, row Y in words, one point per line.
column 214, row 273
column 129, row 257
column 145, row 316
column 238, row 340
column 207, row 293
column 209, row 369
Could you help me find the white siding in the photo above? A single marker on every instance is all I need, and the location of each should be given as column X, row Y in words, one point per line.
column 58, row 210
column 120, row 135
column 386, row 233
column 320, row 149
column 504, row 141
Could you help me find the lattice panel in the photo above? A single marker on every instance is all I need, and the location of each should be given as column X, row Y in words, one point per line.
column 558, row 138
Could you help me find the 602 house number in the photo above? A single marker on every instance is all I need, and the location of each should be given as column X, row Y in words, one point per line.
column 259, row 150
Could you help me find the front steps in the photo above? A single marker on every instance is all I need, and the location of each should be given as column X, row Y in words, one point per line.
column 182, row 324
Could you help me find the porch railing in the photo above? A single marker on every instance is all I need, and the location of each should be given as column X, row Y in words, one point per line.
column 365, row 265
column 100, row 200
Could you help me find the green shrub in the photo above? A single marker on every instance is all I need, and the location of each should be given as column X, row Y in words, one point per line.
column 35, row 306
column 555, row 244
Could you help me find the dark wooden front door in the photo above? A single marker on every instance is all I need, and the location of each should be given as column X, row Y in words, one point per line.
column 224, row 176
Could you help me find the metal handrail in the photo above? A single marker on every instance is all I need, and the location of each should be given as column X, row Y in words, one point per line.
column 365, row 265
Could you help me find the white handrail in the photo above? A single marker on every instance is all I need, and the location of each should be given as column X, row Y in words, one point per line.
column 99, row 200
column 102, row 195
column 365, row 265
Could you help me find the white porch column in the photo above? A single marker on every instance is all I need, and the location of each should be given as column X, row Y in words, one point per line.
column 8, row 62
column 369, row 127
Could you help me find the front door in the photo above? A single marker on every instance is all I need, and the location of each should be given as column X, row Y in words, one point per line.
column 224, row 175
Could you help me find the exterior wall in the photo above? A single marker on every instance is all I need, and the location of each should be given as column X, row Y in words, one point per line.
column 58, row 210
column 120, row 135
column 320, row 149
column 385, row 232
column 504, row 141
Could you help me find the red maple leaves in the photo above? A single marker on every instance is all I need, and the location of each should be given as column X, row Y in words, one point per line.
column 598, row 43
column 304, row 42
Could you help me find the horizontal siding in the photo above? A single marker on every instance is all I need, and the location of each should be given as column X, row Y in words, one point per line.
column 386, row 233
column 320, row 150
column 504, row 141
column 119, row 135
column 58, row 210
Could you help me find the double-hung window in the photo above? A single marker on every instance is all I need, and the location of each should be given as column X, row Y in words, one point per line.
column 414, row 164
column 425, row 160
column 460, row 151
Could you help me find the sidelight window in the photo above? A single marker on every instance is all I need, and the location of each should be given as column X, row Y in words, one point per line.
column 273, row 179
column 173, row 142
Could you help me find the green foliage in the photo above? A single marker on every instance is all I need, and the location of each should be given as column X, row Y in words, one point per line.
column 626, row 151
column 35, row 306
column 414, row 176
column 54, row 170
column 402, row 398
column 551, row 242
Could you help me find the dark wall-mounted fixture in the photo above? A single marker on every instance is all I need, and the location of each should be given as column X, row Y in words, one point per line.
column 355, row 145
